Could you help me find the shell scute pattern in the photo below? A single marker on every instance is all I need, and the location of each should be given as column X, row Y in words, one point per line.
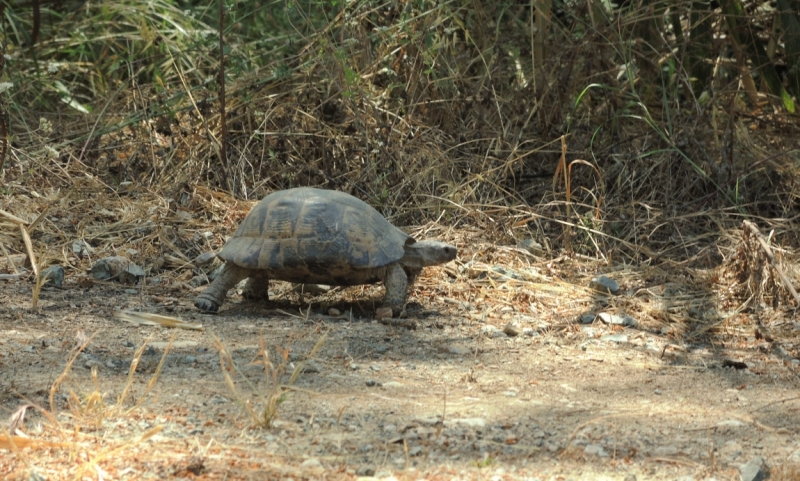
column 311, row 235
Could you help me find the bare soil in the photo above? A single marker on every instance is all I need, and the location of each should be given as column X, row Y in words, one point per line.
column 451, row 399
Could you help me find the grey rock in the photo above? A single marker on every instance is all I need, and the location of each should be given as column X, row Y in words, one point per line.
column 471, row 422
column 755, row 470
column 587, row 318
column 52, row 276
column 616, row 338
column 619, row 320
column 365, row 471
column 595, row 450
column 530, row 332
column 512, row 330
column 665, row 451
column 492, row 331
column 80, row 248
column 604, row 284
column 415, row 451
column 117, row 268
column 204, row 258
column 531, row 246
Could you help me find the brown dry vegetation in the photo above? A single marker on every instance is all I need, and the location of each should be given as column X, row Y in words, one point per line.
column 435, row 114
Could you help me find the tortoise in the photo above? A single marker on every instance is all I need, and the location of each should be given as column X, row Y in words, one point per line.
column 315, row 236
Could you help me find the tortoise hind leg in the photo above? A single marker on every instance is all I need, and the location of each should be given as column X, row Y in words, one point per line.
column 210, row 299
column 257, row 287
column 396, row 283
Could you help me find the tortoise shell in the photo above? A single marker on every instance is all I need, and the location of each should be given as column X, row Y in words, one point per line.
column 315, row 235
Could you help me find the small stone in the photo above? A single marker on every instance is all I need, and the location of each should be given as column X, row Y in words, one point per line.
column 510, row 393
column 365, row 471
column 117, row 268
column 657, row 392
column 512, row 330
column 383, row 313
column 755, row 470
column 372, row 383
column 53, row 276
column 217, row 399
column 311, row 367
column 91, row 363
column 492, row 331
column 415, row 451
column 604, row 284
column 586, row 318
column 663, row 451
column 616, row 338
column 619, row 320
column 333, row 312
column 393, row 384
column 595, row 450
column 204, row 258
column 311, row 463
column 530, row 332
column 354, row 367
column 470, row 422
column 457, row 350
column 531, row 246
column 374, row 367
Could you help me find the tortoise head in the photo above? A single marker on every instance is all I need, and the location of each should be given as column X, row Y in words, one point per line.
column 428, row 253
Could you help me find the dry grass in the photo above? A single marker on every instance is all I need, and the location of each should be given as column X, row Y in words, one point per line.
column 438, row 126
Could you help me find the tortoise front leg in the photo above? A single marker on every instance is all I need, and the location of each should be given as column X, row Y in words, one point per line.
column 396, row 283
column 210, row 299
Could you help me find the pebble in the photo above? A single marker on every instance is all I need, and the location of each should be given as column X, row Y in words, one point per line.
column 531, row 246
column 415, row 451
column 311, row 463
column 662, row 451
column 365, row 471
column 604, row 284
column 117, row 268
column 594, row 449
column 375, row 367
column 754, row 470
column 617, row 338
column 457, row 350
column 470, row 422
column 512, row 330
column 586, row 318
column 393, row 384
column 492, row 331
column 91, row 363
column 53, row 276
column 510, row 393
column 618, row 320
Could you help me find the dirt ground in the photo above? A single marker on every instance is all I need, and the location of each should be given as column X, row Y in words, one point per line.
column 451, row 399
